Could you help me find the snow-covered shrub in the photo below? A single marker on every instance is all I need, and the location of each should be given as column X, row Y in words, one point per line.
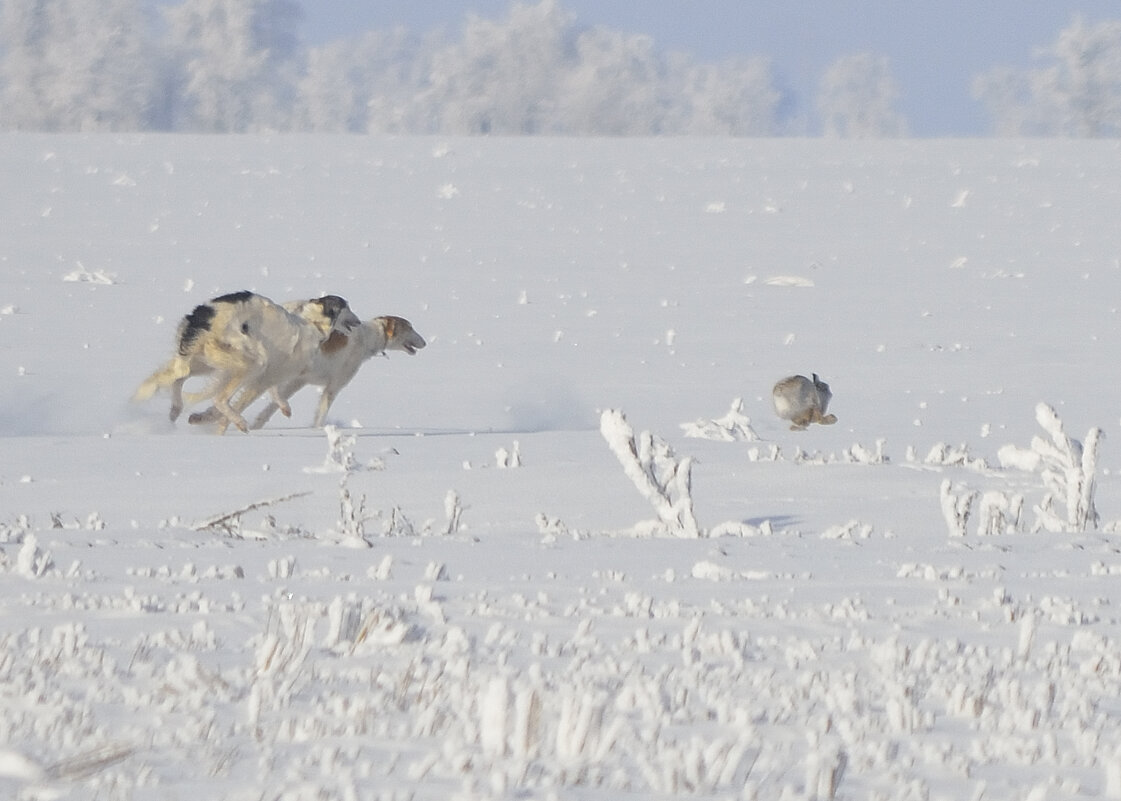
column 340, row 455
column 858, row 454
column 999, row 513
column 504, row 458
column 649, row 462
column 553, row 527
column 957, row 504
column 453, row 509
column 824, row 770
column 32, row 561
column 278, row 663
column 1068, row 469
column 398, row 525
column 944, row 455
column 733, row 426
column 85, row 276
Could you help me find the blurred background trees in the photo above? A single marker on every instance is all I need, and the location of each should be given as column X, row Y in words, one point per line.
column 231, row 66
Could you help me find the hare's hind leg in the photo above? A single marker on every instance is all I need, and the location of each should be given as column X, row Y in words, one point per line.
column 825, row 420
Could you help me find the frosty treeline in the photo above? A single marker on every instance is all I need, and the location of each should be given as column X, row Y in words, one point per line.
column 239, row 65
column 228, row 66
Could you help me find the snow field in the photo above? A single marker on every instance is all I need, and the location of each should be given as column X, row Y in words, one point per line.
column 567, row 551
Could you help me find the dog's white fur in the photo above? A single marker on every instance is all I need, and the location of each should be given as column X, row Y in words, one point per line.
column 337, row 361
column 249, row 344
column 803, row 401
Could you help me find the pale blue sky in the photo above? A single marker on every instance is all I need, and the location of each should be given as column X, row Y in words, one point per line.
column 935, row 46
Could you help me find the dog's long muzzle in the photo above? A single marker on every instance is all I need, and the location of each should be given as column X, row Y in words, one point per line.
column 347, row 320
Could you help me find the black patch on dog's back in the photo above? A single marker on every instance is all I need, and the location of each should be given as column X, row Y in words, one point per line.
column 235, row 297
column 332, row 306
column 193, row 325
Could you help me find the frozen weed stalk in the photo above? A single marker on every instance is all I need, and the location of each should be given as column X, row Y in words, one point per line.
column 649, row 462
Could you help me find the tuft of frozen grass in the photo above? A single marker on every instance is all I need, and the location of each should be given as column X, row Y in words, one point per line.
column 352, row 516
column 1068, row 469
column 733, row 426
column 85, row 276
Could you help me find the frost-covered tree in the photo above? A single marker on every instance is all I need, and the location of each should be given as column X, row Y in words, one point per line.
column 501, row 77
column 237, row 63
column 1076, row 91
column 367, row 84
column 613, row 85
column 735, row 98
column 1007, row 95
column 70, row 65
column 857, row 97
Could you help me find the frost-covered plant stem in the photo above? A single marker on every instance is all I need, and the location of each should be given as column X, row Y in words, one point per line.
column 453, row 509
column 650, row 464
column 352, row 515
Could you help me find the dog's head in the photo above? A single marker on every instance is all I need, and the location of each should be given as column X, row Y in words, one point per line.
column 338, row 311
column 400, row 335
column 330, row 314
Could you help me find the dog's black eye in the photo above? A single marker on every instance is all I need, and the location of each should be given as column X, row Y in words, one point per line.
column 245, row 328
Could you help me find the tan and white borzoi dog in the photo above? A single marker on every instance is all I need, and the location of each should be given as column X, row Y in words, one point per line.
column 249, row 344
column 335, row 363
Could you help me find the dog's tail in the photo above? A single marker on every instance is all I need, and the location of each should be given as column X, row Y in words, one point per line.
column 167, row 375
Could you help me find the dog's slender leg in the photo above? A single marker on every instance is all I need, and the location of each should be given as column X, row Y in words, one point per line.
column 176, row 399
column 280, row 395
column 280, row 402
column 210, row 415
column 264, row 415
column 326, row 398
column 222, row 404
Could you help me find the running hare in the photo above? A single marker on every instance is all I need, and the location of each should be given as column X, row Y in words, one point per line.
column 802, row 401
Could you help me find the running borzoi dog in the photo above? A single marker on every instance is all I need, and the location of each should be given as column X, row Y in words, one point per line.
column 249, row 344
column 338, row 359
column 335, row 363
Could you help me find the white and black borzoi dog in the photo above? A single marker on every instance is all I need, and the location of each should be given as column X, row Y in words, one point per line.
column 249, row 345
column 335, row 363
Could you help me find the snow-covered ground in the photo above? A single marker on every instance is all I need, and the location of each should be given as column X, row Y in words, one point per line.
column 462, row 591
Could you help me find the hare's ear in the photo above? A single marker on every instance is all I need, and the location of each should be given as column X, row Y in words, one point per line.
column 816, row 381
